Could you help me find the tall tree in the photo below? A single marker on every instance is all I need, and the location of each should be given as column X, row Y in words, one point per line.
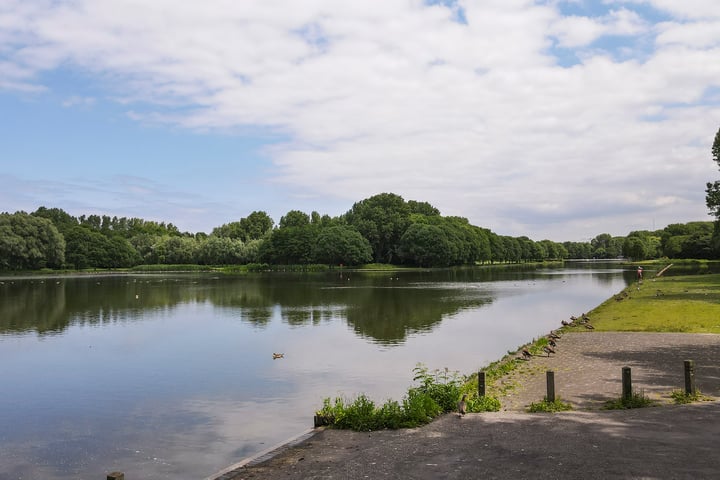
column 341, row 244
column 295, row 218
column 29, row 242
column 713, row 188
column 382, row 219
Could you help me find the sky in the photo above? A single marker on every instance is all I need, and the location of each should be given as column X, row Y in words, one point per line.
column 553, row 119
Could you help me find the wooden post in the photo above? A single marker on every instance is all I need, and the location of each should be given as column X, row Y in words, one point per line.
column 550, row 376
column 626, row 383
column 481, row 384
column 116, row 476
column 689, row 377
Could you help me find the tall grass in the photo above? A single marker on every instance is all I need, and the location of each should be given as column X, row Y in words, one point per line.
column 435, row 392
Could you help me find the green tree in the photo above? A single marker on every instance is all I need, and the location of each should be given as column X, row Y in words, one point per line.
column 217, row 250
column 713, row 188
column 294, row 218
column 174, row 250
column 232, row 230
column 29, row 242
column 423, row 208
column 636, row 248
column 341, row 244
column 382, row 219
column 425, row 246
column 290, row 246
column 87, row 248
column 62, row 220
column 256, row 225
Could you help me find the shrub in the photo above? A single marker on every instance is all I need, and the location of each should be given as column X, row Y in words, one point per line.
column 483, row 404
column 438, row 392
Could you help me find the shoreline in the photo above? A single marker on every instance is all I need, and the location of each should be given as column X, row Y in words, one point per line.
column 588, row 367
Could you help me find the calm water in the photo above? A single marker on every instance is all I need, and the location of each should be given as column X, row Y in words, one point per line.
column 172, row 376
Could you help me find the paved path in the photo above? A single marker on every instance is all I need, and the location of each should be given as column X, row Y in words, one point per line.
column 670, row 441
column 588, row 367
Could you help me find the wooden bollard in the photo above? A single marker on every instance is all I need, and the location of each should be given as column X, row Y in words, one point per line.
column 550, row 376
column 689, row 377
column 116, row 476
column 626, row 383
column 481, row 384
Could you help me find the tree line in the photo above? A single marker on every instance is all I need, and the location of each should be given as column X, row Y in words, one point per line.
column 384, row 228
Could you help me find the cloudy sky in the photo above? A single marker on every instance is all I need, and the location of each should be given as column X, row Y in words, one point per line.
column 547, row 118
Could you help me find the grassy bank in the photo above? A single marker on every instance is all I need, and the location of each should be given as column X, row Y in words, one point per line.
column 688, row 304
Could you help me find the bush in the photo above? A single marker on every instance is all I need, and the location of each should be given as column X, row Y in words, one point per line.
column 437, row 393
column 483, row 404
column 442, row 386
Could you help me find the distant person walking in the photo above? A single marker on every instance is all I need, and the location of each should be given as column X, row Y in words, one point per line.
column 639, row 274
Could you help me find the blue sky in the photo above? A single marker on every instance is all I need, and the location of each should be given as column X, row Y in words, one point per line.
column 551, row 119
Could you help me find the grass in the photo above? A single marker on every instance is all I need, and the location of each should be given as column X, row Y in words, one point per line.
column 636, row 400
column 688, row 304
column 682, row 397
column 549, row 407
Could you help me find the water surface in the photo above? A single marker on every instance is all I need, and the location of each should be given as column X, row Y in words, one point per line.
column 172, row 376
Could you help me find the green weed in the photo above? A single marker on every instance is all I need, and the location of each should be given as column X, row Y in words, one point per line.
column 682, row 397
column 636, row 400
column 549, row 407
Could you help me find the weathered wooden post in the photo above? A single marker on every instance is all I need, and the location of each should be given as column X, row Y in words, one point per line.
column 116, row 476
column 689, row 377
column 550, row 377
column 626, row 383
column 481, row 384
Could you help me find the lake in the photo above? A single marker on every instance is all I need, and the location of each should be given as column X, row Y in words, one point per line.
column 172, row 376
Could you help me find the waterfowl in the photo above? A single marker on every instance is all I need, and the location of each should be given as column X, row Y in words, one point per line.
column 548, row 350
column 278, row 355
column 462, row 405
column 526, row 354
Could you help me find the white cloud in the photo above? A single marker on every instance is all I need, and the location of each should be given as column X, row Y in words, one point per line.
column 78, row 100
column 686, row 9
column 701, row 34
column 576, row 31
column 477, row 119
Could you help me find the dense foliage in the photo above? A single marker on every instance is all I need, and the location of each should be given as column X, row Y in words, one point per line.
column 713, row 194
column 382, row 229
column 436, row 392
